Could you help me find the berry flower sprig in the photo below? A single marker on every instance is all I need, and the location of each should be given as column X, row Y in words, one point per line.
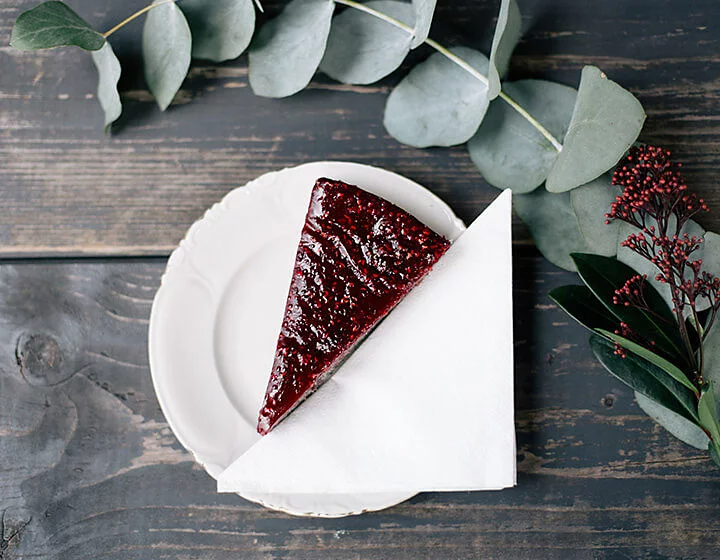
column 654, row 346
column 656, row 200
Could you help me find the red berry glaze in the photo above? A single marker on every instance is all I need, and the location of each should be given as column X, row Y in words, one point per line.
column 358, row 256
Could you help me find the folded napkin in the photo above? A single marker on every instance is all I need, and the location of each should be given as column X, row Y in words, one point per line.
column 424, row 404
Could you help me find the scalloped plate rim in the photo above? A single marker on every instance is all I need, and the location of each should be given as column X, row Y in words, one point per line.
column 174, row 268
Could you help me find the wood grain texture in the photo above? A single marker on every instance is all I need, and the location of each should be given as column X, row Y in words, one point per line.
column 69, row 189
column 89, row 468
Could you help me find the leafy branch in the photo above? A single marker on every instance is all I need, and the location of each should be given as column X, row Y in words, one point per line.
column 666, row 351
column 460, row 62
column 543, row 127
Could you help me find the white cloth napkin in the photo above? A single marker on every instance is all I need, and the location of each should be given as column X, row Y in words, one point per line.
column 425, row 403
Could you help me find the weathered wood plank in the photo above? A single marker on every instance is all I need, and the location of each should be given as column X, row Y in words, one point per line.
column 67, row 188
column 89, row 468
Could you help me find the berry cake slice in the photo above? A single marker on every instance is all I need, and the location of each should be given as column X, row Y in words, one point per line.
column 358, row 256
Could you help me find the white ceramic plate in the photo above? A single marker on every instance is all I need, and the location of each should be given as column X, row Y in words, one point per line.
column 216, row 317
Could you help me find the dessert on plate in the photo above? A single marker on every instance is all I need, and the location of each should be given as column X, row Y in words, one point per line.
column 358, row 256
column 424, row 404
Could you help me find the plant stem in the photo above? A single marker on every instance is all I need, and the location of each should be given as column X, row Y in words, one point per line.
column 135, row 15
column 532, row 120
column 700, row 352
column 461, row 63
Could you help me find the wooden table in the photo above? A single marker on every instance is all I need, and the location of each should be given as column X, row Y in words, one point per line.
column 88, row 465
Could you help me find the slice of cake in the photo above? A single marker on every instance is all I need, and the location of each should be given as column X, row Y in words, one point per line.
column 358, row 256
column 424, row 404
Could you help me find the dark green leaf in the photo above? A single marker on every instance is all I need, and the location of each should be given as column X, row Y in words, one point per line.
column 582, row 305
column 606, row 121
column 424, row 10
column 686, row 431
column 552, row 224
column 707, row 410
column 288, row 49
column 108, row 68
column 221, row 29
column 643, row 377
column 166, row 46
column 362, row 48
column 507, row 149
column 604, row 275
column 53, row 24
column 590, row 203
column 438, row 103
column 507, row 35
column 671, row 369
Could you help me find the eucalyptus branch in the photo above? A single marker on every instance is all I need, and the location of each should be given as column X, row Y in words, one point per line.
column 135, row 15
column 461, row 63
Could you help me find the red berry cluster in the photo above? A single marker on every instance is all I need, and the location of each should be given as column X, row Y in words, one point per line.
column 656, row 200
column 652, row 187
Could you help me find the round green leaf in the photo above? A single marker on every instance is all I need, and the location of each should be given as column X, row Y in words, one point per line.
column 605, row 122
column 680, row 427
column 711, row 253
column 424, row 10
column 108, row 68
column 53, row 24
column 362, row 48
column 438, row 103
column 288, row 49
column 552, row 224
column 711, row 362
column 166, row 46
column 507, row 149
column 507, row 35
column 221, row 29
column 590, row 203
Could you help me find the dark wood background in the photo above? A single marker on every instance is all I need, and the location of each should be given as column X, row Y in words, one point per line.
column 88, row 465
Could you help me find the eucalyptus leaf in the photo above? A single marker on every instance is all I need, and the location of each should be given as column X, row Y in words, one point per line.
column 711, row 355
column 711, row 253
column 424, row 11
column 671, row 369
column 707, row 410
column 507, row 35
column 644, row 266
column 362, row 48
column 677, row 425
column 221, row 29
column 438, row 103
column 166, row 47
column 507, row 149
column 288, row 49
column 590, row 203
column 604, row 275
column 53, row 24
column 606, row 121
column 108, row 67
column 637, row 374
column 582, row 305
column 552, row 224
